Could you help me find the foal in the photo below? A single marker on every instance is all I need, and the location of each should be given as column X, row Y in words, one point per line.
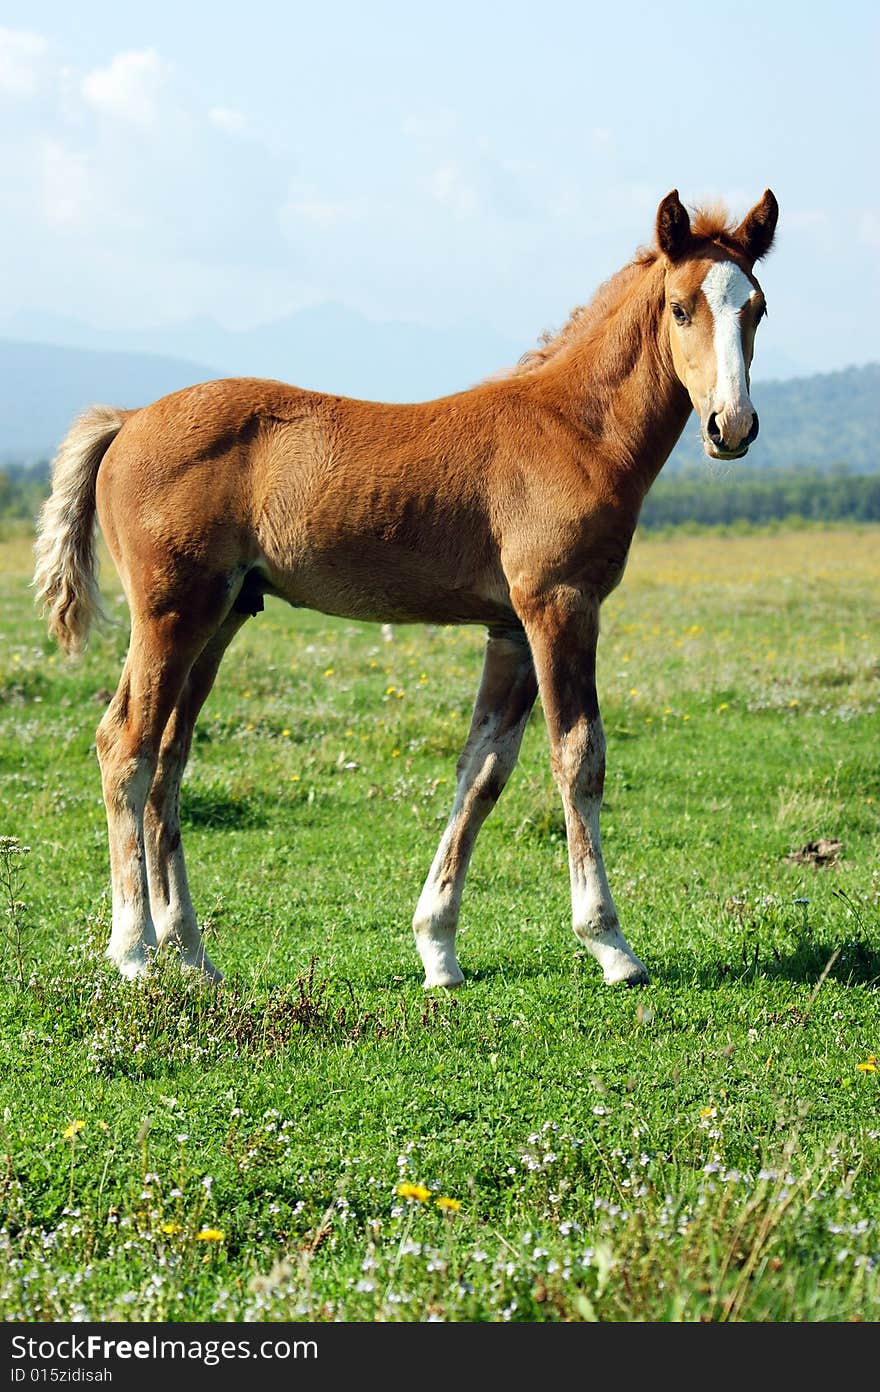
column 511, row 505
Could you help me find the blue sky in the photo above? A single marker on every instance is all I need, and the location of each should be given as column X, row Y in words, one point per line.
column 440, row 164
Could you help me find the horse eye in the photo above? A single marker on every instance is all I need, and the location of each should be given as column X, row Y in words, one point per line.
column 679, row 314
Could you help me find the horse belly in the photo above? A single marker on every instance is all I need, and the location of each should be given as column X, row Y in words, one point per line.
column 384, row 583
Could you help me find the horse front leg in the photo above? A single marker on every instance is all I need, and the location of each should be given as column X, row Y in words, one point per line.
column 563, row 630
column 504, row 702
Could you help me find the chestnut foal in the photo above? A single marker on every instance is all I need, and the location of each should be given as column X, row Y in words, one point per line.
column 511, row 504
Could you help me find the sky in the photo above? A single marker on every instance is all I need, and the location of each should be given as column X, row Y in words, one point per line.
column 442, row 164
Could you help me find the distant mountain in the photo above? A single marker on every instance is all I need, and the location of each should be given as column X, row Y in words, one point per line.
column 817, row 421
column 326, row 347
column 42, row 387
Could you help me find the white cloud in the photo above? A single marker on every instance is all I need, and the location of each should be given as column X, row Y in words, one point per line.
column 65, row 184
column 129, row 88
column 868, row 227
column 21, row 55
column 602, row 141
column 806, row 217
column 305, row 204
column 447, row 186
column 227, row 118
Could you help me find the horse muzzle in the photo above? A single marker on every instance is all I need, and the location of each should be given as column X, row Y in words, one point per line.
column 717, row 447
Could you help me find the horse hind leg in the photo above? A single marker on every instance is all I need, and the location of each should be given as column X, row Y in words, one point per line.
column 507, row 692
column 128, row 741
column 171, row 905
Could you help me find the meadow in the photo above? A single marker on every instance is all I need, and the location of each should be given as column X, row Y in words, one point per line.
column 319, row 1138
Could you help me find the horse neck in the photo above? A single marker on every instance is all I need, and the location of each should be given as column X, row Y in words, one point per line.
column 617, row 381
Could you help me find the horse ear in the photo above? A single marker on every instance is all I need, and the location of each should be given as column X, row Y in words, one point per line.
column 756, row 231
column 673, row 226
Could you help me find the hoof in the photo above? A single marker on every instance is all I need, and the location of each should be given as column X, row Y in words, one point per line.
column 620, row 965
column 202, row 967
column 636, row 975
column 133, row 965
column 449, row 980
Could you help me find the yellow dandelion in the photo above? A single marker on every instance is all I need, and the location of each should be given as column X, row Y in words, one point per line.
column 633, row 691
column 171, row 1228
column 414, row 1191
column 210, row 1235
column 869, row 1066
column 390, row 690
column 723, row 706
column 706, row 1112
column 285, row 733
column 395, row 753
column 72, row 1130
column 246, row 694
column 794, row 703
column 328, row 671
column 448, row 1205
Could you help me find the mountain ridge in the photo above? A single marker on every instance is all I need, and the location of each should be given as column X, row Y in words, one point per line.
column 816, row 421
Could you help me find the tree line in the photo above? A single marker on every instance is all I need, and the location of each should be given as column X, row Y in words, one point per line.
column 750, row 496
column 745, row 495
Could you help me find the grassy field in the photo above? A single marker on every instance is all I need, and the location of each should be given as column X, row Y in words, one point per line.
column 319, row 1139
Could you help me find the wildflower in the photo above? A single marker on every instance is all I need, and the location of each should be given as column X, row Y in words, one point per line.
column 284, row 734
column 171, row 1228
column 723, row 706
column 869, row 1066
column 414, row 1191
column 210, row 1235
column 328, row 671
column 395, row 753
column 72, row 1130
column 448, row 1205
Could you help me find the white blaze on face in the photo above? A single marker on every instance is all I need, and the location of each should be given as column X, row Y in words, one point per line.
column 728, row 290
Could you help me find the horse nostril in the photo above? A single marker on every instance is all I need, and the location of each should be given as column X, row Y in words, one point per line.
column 712, row 429
column 753, row 429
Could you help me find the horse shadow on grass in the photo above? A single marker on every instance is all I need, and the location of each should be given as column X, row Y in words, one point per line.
column 217, row 807
column 853, row 962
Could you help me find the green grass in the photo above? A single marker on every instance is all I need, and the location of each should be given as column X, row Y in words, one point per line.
column 704, row 1149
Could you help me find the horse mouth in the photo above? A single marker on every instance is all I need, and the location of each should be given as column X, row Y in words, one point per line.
column 715, row 453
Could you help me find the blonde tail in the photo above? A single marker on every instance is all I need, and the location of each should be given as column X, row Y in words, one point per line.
column 65, row 577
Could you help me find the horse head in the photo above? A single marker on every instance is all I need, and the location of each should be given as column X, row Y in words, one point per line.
column 712, row 309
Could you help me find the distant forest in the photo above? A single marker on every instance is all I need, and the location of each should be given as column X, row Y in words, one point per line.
column 745, row 494
column 752, row 495
column 816, row 459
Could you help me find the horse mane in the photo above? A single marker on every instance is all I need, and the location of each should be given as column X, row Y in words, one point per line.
column 710, row 224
